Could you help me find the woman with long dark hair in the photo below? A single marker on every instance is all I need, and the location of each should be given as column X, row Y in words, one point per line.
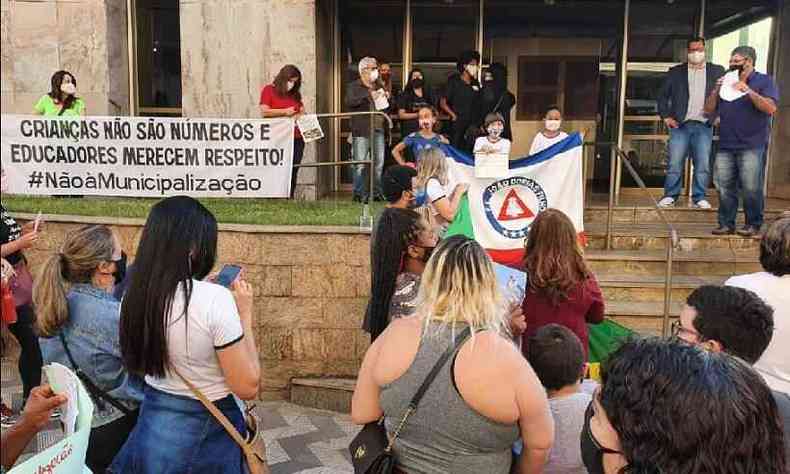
column 61, row 100
column 283, row 98
column 78, row 321
column 176, row 327
column 665, row 406
column 416, row 95
column 562, row 289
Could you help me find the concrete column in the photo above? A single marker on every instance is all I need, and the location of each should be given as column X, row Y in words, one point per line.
column 779, row 171
column 230, row 49
column 85, row 37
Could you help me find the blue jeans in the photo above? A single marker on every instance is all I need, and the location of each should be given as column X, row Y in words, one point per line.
column 360, row 149
column 177, row 434
column 744, row 170
column 691, row 138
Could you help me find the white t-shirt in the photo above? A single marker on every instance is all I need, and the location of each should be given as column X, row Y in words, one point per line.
column 774, row 365
column 541, row 142
column 484, row 145
column 435, row 191
column 212, row 323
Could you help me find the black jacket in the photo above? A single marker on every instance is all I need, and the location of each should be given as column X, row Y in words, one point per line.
column 358, row 100
column 673, row 99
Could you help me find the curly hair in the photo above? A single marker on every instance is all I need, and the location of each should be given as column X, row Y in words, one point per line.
column 775, row 247
column 465, row 58
column 553, row 258
column 678, row 408
column 737, row 318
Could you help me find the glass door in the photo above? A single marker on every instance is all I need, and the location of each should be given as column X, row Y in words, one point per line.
column 157, row 58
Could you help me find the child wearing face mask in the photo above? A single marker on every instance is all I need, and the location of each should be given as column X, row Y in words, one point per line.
column 551, row 133
column 493, row 143
column 423, row 139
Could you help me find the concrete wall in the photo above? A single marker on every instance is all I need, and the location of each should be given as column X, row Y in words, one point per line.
column 230, row 49
column 779, row 171
column 85, row 37
column 311, row 287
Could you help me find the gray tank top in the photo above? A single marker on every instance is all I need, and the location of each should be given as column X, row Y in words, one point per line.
column 444, row 435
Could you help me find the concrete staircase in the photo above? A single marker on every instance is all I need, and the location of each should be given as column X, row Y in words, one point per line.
column 631, row 275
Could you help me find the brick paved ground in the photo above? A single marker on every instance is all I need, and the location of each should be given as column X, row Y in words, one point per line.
column 298, row 439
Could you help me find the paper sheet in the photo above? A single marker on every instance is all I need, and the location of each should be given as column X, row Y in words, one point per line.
column 491, row 165
column 310, row 128
column 512, row 283
column 728, row 91
column 63, row 380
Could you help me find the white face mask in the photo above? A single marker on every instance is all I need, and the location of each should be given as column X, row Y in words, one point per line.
column 553, row 125
column 472, row 70
column 494, row 131
column 696, row 57
column 374, row 74
column 291, row 85
column 68, row 88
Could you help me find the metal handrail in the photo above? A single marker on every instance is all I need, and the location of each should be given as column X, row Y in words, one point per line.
column 672, row 240
column 371, row 161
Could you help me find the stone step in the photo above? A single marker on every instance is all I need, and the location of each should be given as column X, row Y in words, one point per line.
column 709, row 262
column 650, row 288
column 650, row 215
column 323, row 393
column 693, row 236
column 643, row 317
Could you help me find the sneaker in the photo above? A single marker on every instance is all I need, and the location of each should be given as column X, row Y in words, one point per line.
column 721, row 230
column 749, row 231
column 702, row 204
column 7, row 416
column 666, row 201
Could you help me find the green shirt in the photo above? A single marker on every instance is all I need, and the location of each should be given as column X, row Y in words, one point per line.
column 46, row 106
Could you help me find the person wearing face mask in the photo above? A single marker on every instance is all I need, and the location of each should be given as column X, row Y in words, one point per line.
column 423, row 139
column 385, row 71
column 743, row 137
column 551, row 133
column 495, row 98
column 415, row 96
column 78, row 324
column 62, row 98
column 462, row 99
column 681, row 104
column 15, row 239
column 665, row 406
column 494, row 143
column 283, row 98
column 417, row 253
column 367, row 94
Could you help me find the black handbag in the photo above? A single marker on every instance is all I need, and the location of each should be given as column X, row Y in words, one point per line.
column 371, row 448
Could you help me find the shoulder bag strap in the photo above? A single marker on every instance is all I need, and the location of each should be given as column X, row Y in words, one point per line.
column 94, row 390
column 412, row 407
column 215, row 412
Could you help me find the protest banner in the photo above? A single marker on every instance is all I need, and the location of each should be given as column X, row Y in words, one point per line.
column 68, row 455
column 147, row 157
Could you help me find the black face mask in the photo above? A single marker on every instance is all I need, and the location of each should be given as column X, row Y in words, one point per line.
column 736, row 67
column 592, row 451
column 417, row 83
column 120, row 268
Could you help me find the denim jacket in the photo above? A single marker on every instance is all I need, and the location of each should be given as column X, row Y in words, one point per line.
column 92, row 336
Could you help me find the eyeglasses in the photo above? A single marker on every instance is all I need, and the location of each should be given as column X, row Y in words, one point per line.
column 676, row 329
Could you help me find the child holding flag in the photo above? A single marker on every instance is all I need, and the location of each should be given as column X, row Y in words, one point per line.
column 493, row 143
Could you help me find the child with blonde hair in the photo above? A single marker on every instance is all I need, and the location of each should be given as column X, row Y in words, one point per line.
column 433, row 183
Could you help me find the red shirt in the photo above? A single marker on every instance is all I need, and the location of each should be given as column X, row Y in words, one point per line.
column 270, row 97
column 584, row 305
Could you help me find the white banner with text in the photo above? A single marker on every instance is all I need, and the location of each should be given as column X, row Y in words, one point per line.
column 147, row 157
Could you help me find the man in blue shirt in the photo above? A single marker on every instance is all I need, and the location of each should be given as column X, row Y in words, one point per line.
column 743, row 137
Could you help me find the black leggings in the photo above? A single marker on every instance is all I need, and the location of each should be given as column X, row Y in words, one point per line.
column 298, row 154
column 105, row 442
column 30, row 360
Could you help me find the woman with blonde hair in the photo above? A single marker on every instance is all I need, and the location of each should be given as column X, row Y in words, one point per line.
column 433, row 181
column 78, row 324
column 562, row 289
column 484, row 395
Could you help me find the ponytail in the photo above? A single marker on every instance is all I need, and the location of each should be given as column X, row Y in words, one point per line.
column 49, row 297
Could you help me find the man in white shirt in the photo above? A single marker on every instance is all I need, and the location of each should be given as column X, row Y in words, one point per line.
column 773, row 286
column 551, row 133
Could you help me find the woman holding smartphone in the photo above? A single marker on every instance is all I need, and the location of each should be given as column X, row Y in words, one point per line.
column 173, row 325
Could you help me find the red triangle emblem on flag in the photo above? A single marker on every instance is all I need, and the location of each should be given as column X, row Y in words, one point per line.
column 513, row 208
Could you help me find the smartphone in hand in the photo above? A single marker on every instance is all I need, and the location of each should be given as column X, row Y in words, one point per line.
column 228, row 275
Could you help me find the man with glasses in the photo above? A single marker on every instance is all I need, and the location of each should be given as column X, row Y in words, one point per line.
column 736, row 321
column 363, row 95
column 745, row 106
column 681, row 104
